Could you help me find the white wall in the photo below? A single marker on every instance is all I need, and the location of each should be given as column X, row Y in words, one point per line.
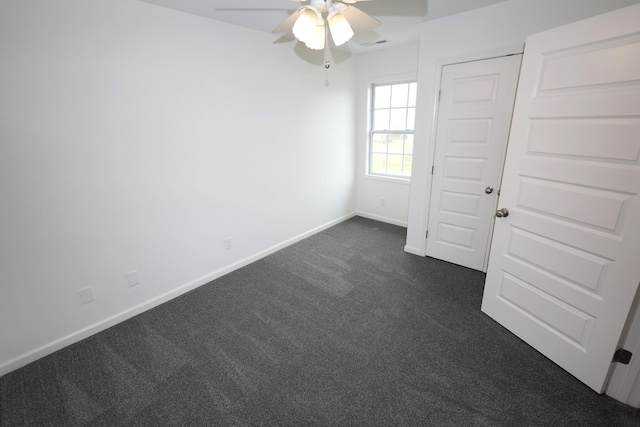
column 388, row 65
column 134, row 137
column 493, row 27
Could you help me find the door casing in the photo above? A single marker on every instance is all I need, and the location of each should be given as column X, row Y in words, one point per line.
column 442, row 62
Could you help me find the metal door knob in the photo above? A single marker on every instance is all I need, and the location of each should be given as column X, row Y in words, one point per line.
column 502, row 213
column 488, row 190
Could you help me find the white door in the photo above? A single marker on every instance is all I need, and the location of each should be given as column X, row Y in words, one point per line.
column 476, row 103
column 565, row 262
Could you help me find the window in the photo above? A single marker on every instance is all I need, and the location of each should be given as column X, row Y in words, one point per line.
column 393, row 116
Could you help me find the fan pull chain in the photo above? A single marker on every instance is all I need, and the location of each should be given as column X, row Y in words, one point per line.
column 327, row 62
column 327, row 58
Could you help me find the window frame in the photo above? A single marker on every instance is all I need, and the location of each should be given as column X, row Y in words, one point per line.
column 371, row 132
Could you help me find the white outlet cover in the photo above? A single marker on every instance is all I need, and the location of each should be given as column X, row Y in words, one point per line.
column 227, row 243
column 86, row 295
column 133, row 278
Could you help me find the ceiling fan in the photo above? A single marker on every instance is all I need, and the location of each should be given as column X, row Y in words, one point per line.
column 309, row 23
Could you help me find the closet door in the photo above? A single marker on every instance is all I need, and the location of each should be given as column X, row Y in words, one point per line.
column 476, row 103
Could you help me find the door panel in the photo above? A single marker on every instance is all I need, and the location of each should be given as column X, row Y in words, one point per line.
column 473, row 124
column 564, row 265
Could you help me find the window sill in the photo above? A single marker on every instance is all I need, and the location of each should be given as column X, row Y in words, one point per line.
column 393, row 180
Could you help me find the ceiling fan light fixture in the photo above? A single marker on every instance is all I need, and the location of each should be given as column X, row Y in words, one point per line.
column 318, row 37
column 305, row 29
column 341, row 31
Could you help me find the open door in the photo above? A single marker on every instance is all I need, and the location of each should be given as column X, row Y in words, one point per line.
column 476, row 103
column 564, row 264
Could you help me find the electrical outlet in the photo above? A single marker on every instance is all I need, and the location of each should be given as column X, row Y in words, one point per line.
column 132, row 278
column 86, row 295
column 227, row 243
column 382, row 201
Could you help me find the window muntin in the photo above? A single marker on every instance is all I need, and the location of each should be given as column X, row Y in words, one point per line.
column 393, row 113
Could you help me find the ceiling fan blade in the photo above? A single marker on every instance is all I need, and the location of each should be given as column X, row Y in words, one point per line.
column 247, row 9
column 287, row 25
column 360, row 21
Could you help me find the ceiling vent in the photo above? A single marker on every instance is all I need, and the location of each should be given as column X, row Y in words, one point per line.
column 375, row 43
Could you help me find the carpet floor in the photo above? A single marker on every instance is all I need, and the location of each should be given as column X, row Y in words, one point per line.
column 340, row 329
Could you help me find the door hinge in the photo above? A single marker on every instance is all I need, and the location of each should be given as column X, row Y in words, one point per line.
column 432, row 167
column 622, row 356
column 439, row 94
column 426, row 234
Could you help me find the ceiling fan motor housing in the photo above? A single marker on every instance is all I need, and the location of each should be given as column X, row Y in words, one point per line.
column 321, row 5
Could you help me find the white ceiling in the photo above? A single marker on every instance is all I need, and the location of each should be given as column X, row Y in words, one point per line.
column 400, row 18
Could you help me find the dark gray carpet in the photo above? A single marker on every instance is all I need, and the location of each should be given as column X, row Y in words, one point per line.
column 343, row 328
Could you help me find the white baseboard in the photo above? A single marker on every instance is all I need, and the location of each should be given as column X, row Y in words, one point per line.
column 413, row 251
column 47, row 349
column 382, row 219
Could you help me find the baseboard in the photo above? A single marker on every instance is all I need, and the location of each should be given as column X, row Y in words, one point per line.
column 413, row 251
column 382, row 219
column 47, row 349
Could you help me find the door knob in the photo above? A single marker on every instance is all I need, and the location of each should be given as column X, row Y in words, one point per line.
column 502, row 213
column 488, row 190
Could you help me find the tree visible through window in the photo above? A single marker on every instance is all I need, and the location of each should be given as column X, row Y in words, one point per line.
column 393, row 116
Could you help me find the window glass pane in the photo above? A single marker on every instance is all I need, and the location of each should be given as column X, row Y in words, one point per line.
column 413, row 94
column 379, row 143
column 399, row 95
column 382, row 96
column 393, row 116
column 381, row 119
column 394, row 166
column 379, row 163
column 398, row 119
column 396, row 144
column 411, row 118
column 408, row 144
column 408, row 161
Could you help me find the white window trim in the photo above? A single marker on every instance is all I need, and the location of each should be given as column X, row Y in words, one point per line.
column 393, row 179
column 382, row 80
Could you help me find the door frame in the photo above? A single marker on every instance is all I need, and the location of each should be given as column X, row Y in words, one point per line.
column 431, row 149
column 624, row 380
